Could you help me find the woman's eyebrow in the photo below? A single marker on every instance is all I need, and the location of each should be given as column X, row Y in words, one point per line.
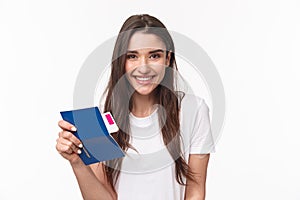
column 129, row 51
column 157, row 50
column 154, row 51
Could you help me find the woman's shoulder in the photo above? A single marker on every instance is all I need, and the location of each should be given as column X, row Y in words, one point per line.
column 191, row 102
column 193, row 106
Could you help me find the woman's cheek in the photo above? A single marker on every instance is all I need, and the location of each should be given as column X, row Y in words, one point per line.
column 129, row 66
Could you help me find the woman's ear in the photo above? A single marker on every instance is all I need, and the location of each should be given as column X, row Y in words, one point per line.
column 168, row 58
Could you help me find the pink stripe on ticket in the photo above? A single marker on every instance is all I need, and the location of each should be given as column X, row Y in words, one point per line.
column 109, row 119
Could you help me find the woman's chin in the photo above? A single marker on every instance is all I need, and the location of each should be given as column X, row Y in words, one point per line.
column 144, row 91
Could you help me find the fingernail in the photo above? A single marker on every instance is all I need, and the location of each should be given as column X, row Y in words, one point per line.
column 80, row 145
column 73, row 128
column 79, row 151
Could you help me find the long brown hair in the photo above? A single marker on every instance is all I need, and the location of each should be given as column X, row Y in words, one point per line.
column 119, row 91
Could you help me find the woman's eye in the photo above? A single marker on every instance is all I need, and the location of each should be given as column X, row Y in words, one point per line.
column 131, row 56
column 155, row 56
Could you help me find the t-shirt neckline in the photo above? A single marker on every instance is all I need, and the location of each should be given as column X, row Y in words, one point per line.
column 143, row 121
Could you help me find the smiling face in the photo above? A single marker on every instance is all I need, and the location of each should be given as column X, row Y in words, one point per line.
column 146, row 61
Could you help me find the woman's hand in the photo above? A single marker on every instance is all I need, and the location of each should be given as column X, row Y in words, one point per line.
column 67, row 144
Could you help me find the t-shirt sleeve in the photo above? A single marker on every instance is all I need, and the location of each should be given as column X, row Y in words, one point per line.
column 202, row 141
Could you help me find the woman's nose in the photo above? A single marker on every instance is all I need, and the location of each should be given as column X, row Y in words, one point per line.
column 144, row 69
column 143, row 60
column 144, row 66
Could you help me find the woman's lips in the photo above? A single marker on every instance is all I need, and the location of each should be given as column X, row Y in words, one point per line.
column 143, row 80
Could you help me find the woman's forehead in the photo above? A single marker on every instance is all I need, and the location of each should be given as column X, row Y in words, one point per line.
column 140, row 40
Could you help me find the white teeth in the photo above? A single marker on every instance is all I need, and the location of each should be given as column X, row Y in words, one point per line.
column 143, row 78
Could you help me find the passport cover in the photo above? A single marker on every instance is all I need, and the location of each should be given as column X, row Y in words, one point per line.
column 98, row 144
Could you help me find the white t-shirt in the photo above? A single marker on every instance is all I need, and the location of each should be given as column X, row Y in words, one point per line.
column 150, row 174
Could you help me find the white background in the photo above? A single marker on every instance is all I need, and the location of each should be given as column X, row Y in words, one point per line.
column 254, row 44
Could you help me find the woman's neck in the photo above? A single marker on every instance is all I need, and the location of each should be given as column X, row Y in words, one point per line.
column 143, row 105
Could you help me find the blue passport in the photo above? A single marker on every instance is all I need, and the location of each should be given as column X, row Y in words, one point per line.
column 98, row 144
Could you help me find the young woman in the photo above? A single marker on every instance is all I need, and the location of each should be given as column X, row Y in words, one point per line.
column 165, row 133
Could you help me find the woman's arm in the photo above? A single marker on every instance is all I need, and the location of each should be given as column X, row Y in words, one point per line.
column 92, row 185
column 98, row 171
column 198, row 164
